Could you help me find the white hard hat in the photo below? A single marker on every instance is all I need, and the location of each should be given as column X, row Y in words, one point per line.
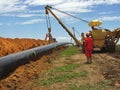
column 87, row 33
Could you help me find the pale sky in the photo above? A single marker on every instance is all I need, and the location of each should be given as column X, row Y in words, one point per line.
column 26, row 18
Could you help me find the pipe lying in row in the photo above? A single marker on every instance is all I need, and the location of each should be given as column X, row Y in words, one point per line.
column 11, row 62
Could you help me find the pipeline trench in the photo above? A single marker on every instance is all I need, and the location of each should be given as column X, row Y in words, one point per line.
column 106, row 65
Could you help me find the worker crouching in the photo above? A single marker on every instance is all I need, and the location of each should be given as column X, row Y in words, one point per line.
column 88, row 46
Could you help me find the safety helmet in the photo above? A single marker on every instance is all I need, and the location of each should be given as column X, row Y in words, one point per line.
column 87, row 33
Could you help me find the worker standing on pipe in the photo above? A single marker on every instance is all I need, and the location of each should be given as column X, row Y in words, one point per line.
column 88, row 46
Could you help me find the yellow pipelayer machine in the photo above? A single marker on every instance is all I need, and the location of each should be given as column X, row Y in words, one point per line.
column 103, row 39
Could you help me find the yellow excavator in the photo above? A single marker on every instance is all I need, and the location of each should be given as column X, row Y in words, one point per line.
column 103, row 39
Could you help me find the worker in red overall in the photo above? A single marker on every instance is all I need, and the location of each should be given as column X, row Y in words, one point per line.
column 88, row 46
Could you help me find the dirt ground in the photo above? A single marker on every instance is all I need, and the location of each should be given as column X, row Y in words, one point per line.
column 23, row 77
column 105, row 67
column 8, row 45
column 103, row 73
column 26, row 72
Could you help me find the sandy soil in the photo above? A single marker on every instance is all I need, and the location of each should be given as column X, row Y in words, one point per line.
column 105, row 66
column 99, row 72
column 26, row 72
column 8, row 45
column 23, row 77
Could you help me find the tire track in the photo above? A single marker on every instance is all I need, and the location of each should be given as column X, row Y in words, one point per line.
column 110, row 67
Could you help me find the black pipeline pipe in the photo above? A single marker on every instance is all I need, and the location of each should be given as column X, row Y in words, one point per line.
column 11, row 62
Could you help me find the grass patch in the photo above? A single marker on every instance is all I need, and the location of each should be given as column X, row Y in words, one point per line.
column 71, row 50
column 82, row 87
column 103, row 85
column 65, row 68
column 62, row 78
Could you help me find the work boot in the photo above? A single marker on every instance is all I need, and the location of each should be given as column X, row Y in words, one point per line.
column 87, row 61
column 90, row 60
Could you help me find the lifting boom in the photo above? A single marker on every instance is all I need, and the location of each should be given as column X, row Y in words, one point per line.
column 48, row 8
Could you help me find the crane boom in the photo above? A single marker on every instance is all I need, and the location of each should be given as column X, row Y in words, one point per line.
column 48, row 8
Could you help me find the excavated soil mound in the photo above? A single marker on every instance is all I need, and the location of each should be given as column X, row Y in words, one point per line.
column 8, row 45
column 23, row 74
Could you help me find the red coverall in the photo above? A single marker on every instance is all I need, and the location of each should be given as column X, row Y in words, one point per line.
column 88, row 46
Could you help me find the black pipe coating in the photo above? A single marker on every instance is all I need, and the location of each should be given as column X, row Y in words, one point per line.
column 11, row 62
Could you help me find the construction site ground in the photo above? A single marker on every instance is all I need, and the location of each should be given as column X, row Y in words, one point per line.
column 65, row 70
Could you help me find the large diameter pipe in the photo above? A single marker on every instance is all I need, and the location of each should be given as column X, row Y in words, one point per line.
column 11, row 62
